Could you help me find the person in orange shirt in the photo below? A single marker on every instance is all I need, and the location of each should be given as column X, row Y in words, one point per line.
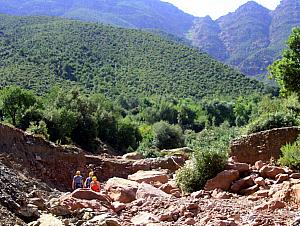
column 95, row 185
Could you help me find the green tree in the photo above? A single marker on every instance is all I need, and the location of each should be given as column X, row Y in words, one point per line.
column 286, row 71
column 167, row 136
column 15, row 102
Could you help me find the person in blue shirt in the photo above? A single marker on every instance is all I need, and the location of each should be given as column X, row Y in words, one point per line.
column 77, row 181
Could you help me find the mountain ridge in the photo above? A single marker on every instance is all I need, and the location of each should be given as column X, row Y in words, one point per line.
column 253, row 35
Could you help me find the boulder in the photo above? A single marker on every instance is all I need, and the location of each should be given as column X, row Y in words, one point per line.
column 88, row 194
column 122, row 190
column 250, row 190
column 148, row 191
column 295, row 175
column 260, row 181
column 259, row 164
column 103, row 220
column 118, row 206
column 296, row 193
column 222, row 181
column 39, row 202
column 74, row 204
column 243, row 183
column 29, row 211
column 144, row 218
column 133, row 156
column 281, row 177
column 271, row 171
column 168, row 187
column 149, row 177
column 49, row 220
column 262, row 193
column 241, row 167
column 273, row 205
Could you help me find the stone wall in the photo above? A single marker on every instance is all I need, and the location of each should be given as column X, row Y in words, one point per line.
column 263, row 145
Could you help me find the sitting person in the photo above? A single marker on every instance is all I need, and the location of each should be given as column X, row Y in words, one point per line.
column 77, row 181
column 87, row 183
column 95, row 185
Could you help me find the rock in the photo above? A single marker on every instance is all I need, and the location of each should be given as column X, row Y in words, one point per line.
column 241, row 167
column 198, row 194
column 59, row 210
column 222, row 181
column 204, row 220
column 262, row 193
column 176, row 193
column 249, row 191
column 103, row 220
column 191, row 206
column 273, row 205
column 87, row 216
column 220, row 194
column 39, row 202
column 281, row 177
column 169, row 186
column 118, row 206
column 166, row 217
column 122, row 190
column 29, row 211
column 149, row 177
column 271, row 171
column 74, row 204
column 295, row 175
column 243, row 183
column 282, row 195
column 148, row 191
column 133, row 156
column 260, row 182
column 296, row 193
column 259, row 164
column 189, row 221
column 262, row 145
column 49, row 220
column 88, row 194
column 144, row 218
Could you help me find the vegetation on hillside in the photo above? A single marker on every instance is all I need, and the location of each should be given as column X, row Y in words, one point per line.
column 38, row 52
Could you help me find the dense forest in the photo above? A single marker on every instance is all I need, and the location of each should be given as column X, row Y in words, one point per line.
column 38, row 52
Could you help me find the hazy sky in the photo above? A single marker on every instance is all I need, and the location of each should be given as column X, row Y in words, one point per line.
column 216, row 8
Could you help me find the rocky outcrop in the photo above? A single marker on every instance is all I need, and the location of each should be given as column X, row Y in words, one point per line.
column 39, row 158
column 56, row 164
column 263, row 145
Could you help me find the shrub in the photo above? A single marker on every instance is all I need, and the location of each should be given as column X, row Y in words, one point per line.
column 203, row 166
column 271, row 121
column 167, row 136
column 216, row 138
column 290, row 155
column 39, row 129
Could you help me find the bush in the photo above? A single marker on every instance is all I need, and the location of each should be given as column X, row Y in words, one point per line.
column 203, row 166
column 212, row 138
column 167, row 136
column 290, row 155
column 39, row 129
column 271, row 121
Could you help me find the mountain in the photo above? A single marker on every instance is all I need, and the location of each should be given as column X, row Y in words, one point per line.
column 141, row 14
column 38, row 52
column 250, row 38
